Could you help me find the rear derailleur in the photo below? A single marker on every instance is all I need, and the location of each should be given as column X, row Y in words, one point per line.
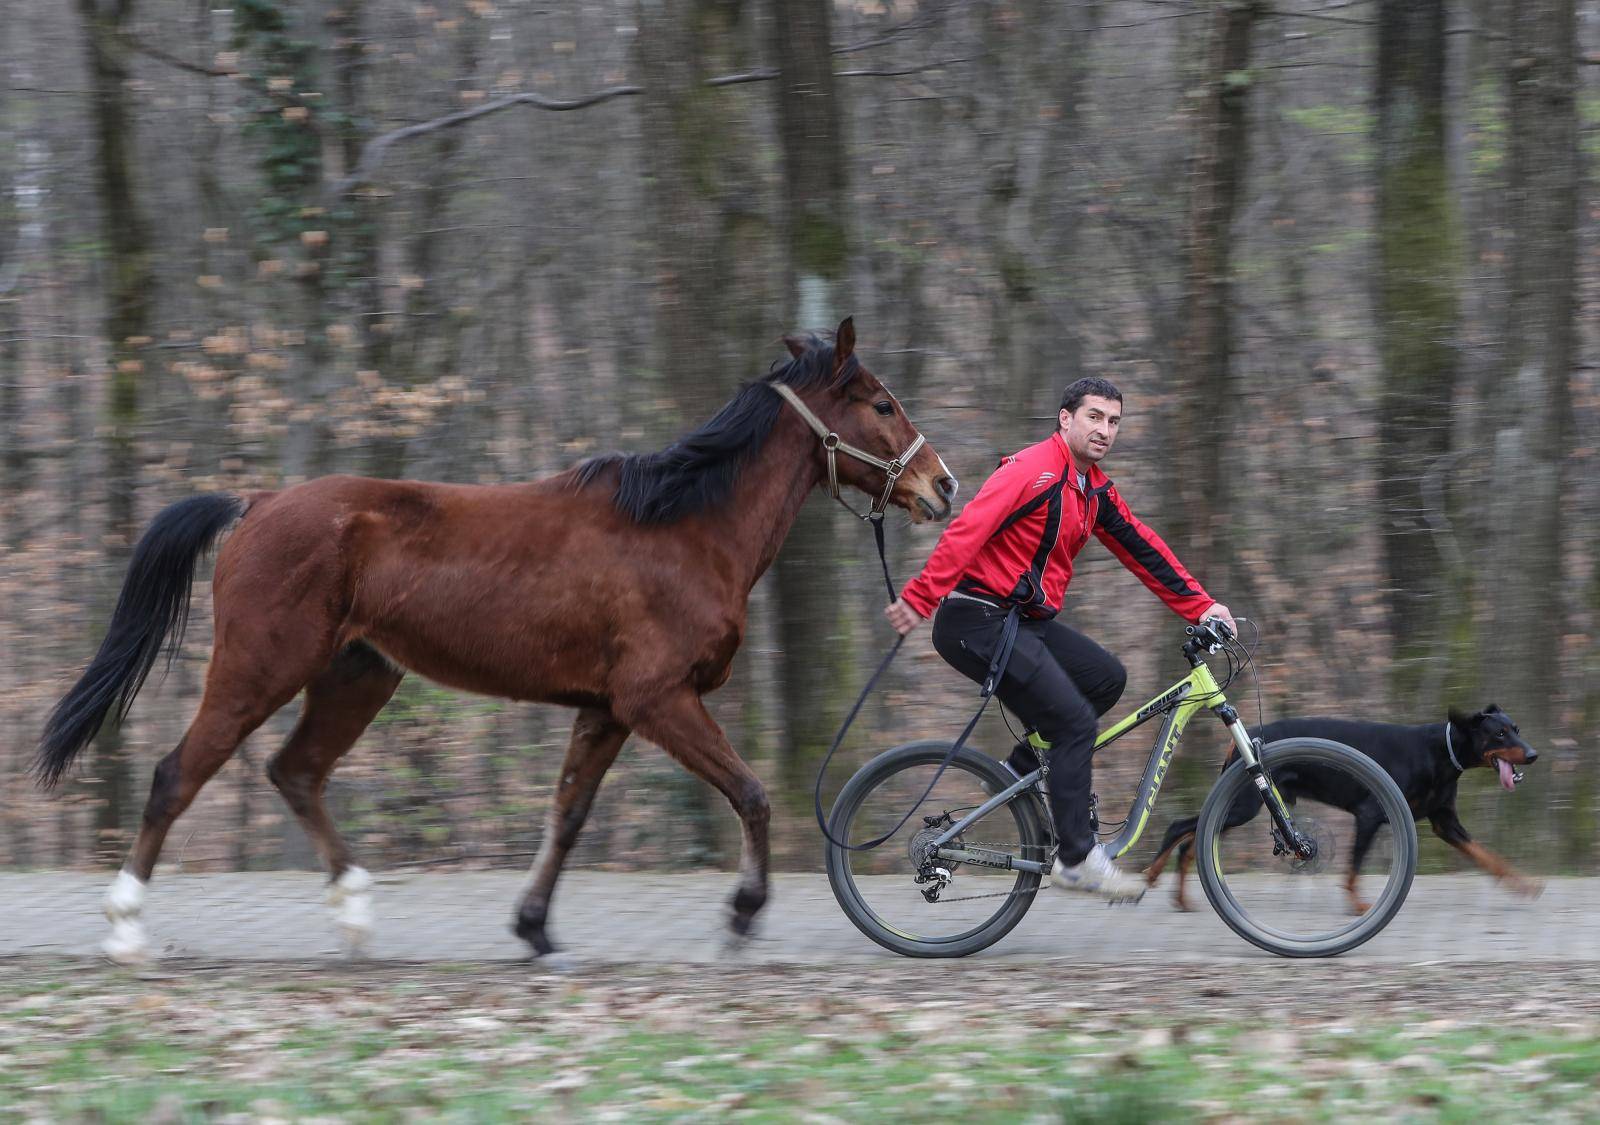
column 933, row 874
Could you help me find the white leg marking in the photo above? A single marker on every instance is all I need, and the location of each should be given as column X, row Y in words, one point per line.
column 351, row 899
column 128, row 943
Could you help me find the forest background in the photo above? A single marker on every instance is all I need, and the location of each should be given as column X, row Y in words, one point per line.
column 1340, row 255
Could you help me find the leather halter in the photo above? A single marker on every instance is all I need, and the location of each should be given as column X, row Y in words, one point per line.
column 834, row 445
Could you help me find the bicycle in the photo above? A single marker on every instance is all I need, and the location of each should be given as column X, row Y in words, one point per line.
column 1264, row 886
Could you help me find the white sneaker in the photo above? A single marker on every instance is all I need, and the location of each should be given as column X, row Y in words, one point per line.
column 1097, row 875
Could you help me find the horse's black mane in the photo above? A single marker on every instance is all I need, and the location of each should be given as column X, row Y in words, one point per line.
column 698, row 470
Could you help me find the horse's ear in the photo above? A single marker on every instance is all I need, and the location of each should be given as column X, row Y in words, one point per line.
column 844, row 340
column 796, row 346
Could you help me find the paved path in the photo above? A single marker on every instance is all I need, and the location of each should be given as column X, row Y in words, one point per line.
column 608, row 917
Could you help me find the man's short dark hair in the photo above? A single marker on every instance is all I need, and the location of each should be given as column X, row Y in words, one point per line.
column 1073, row 396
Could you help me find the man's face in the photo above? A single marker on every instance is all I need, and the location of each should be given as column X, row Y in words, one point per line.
column 1091, row 429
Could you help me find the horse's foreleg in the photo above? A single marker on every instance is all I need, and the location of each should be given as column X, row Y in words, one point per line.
column 596, row 739
column 340, row 703
column 680, row 725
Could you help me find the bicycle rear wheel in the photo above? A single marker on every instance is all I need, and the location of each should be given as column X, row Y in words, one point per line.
column 1344, row 803
column 976, row 905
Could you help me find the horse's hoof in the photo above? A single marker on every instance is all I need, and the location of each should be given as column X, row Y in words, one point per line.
column 127, row 944
column 740, row 934
column 557, row 961
column 736, row 944
column 351, row 899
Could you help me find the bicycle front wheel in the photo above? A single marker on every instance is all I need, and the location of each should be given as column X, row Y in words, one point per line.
column 1355, row 817
column 963, row 907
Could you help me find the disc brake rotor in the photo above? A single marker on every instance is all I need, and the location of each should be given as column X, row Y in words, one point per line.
column 1322, row 840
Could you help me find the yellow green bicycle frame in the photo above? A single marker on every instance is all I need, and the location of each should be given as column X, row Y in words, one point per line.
column 1195, row 692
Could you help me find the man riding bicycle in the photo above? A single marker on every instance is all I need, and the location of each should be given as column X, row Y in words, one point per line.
column 1013, row 545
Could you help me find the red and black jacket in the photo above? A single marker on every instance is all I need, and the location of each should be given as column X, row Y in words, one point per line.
column 1016, row 539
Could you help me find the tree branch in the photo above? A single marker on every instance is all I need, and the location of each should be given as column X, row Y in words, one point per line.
column 372, row 153
column 172, row 60
column 901, row 71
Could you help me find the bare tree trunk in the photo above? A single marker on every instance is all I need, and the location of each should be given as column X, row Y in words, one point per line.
column 1532, row 405
column 1056, row 220
column 128, row 282
column 711, row 241
column 1418, row 313
column 815, row 657
column 1209, row 455
column 1203, row 421
column 1007, row 110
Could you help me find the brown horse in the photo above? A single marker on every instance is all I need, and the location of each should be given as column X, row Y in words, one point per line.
column 618, row 587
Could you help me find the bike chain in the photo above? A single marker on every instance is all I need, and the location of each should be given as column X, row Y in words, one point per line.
column 997, row 894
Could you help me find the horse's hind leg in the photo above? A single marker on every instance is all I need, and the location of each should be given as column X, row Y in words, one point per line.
column 340, row 703
column 231, row 708
column 596, row 739
column 679, row 724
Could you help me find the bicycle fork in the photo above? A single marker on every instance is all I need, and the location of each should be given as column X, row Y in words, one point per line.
column 1285, row 838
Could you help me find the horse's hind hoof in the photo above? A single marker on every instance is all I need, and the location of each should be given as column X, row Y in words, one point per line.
column 557, row 961
column 350, row 896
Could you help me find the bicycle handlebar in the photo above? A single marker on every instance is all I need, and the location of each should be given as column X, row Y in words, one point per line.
column 1210, row 635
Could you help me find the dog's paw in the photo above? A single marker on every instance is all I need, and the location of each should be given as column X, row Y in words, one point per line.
column 1526, row 888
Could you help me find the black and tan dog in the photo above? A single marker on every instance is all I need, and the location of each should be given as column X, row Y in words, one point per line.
column 1425, row 761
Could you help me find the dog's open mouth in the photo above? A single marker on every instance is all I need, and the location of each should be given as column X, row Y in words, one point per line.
column 1510, row 777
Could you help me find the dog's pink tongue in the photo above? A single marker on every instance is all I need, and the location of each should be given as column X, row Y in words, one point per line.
column 1505, row 773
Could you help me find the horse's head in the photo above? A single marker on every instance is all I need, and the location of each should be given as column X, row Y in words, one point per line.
column 851, row 403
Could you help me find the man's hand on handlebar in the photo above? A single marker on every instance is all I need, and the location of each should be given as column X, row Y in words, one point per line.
column 1220, row 612
column 901, row 616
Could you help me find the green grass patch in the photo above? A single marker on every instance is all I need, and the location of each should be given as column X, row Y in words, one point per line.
column 463, row 1044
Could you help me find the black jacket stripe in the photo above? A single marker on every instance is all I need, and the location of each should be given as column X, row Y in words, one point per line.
column 1028, row 508
column 1142, row 551
column 1047, row 539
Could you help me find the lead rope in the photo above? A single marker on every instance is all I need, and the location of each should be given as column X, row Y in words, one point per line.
column 997, row 667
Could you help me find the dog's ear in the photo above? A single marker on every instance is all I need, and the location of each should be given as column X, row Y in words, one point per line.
column 1492, row 709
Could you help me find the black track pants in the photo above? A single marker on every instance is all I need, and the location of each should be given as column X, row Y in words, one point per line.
column 1058, row 681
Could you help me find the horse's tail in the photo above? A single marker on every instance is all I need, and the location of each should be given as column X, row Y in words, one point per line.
column 153, row 604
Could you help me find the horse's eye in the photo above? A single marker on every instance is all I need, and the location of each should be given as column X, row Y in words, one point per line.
column 885, row 408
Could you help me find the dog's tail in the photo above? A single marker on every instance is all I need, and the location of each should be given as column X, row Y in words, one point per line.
column 152, row 610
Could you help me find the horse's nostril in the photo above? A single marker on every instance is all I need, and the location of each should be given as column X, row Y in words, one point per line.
column 947, row 487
